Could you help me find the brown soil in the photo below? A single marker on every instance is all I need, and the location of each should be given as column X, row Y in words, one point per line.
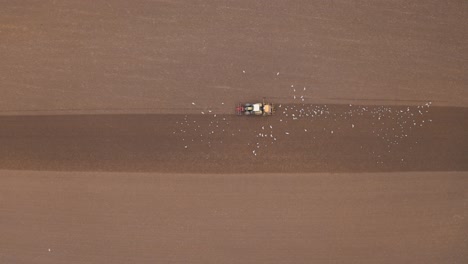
column 69, row 191
column 332, row 138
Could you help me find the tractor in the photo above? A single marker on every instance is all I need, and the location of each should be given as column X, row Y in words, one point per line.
column 256, row 109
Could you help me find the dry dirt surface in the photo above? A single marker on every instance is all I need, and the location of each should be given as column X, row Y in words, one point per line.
column 65, row 217
column 118, row 142
column 159, row 56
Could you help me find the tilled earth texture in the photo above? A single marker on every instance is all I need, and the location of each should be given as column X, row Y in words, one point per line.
column 101, row 217
column 119, row 142
column 299, row 138
column 159, row 56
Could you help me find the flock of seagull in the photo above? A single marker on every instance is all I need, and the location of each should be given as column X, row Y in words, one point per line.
column 390, row 124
